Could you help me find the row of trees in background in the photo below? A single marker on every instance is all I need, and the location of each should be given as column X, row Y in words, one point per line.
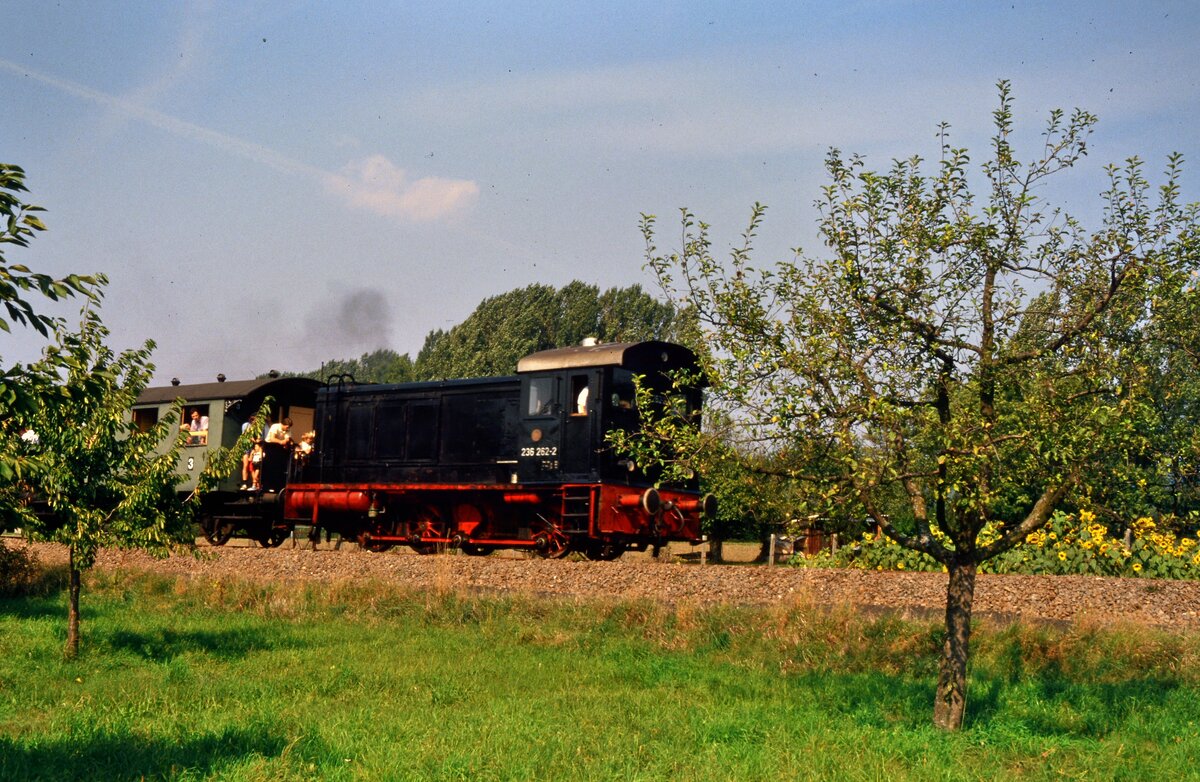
column 509, row 326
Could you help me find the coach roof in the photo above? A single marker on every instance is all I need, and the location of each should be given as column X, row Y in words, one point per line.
column 231, row 389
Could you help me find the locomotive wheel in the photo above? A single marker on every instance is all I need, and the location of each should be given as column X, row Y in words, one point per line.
column 476, row 550
column 215, row 532
column 223, row 533
column 427, row 522
column 551, row 546
column 603, row 552
column 273, row 538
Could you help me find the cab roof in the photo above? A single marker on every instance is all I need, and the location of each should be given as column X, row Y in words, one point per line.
column 649, row 356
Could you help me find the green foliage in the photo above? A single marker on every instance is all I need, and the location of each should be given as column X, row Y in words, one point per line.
column 754, row 497
column 755, row 492
column 19, row 222
column 20, row 391
column 507, row 327
column 380, row 366
column 99, row 478
column 952, row 366
column 95, row 479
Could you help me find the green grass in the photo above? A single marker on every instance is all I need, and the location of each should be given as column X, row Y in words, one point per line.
column 228, row 680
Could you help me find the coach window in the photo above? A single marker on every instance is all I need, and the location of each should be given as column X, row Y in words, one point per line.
column 145, row 418
column 541, row 397
column 195, row 422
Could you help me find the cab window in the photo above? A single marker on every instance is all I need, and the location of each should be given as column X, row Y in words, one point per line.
column 622, row 388
column 579, row 394
column 542, row 397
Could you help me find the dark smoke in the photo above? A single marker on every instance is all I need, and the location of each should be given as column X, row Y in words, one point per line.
column 359, row 322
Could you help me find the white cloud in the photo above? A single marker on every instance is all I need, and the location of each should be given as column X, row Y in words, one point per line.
column 378, row 185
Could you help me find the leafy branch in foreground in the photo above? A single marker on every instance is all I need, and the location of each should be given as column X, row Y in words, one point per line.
column 19, row 392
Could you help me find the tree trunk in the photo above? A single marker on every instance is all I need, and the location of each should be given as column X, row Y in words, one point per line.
column 764, row 548
column 72, row 650
column 950, row 704
column 714, row 550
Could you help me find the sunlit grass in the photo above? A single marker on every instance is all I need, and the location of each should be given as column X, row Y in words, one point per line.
column 231, row 680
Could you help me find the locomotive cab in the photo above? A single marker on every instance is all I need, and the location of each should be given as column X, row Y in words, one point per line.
column 570, row 397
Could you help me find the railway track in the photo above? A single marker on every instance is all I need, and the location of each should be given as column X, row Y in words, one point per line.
column 1087, row 599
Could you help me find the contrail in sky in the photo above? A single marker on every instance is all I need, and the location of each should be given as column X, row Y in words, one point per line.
column 374, row 184
column 255, row 152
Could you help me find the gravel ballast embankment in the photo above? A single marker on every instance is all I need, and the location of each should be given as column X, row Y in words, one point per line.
column 1169, row 604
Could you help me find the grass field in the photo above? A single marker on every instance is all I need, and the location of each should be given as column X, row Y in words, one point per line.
column 228, row 680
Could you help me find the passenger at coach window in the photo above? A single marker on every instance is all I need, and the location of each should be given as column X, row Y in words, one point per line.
column 198, row 425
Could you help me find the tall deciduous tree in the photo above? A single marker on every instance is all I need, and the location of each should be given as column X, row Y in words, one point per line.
column 509, row 326
column 101, row 481
column 82, row 474
column 956, row 363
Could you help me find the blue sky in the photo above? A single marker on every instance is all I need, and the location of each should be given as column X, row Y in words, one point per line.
column 272, row 184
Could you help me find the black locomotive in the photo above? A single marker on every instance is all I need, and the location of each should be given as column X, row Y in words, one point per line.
column 478, row 464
